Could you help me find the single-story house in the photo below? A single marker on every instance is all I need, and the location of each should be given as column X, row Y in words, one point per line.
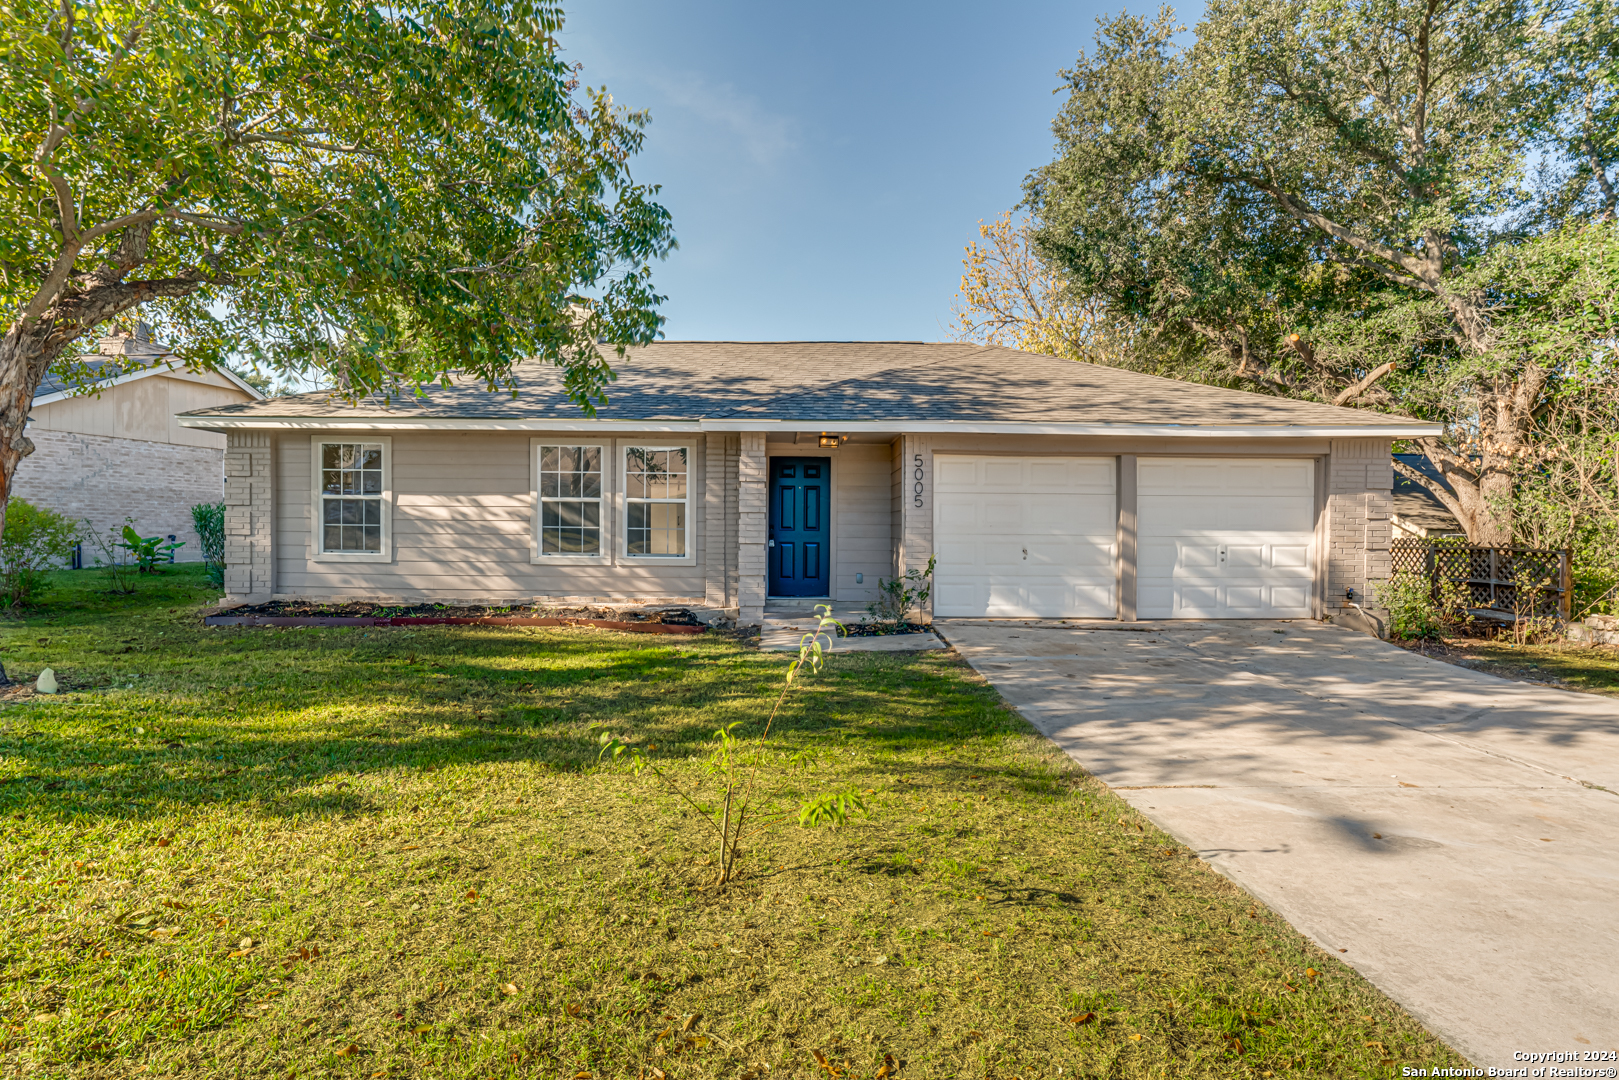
column 730, row 473
column 1417, row 513
column 112, row 449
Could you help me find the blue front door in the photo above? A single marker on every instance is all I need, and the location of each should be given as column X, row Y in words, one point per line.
column 799, row 550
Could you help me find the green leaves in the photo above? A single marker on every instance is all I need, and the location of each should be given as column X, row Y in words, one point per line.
column 376, row 198
column 834, row 809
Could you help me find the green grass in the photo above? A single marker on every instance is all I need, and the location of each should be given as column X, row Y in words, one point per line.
column 1593, row 669
column 358, row 853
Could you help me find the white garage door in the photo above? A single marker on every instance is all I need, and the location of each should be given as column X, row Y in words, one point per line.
column 1024, row 536
column 1224, row 538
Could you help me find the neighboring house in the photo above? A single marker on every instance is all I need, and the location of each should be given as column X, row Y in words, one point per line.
column 1417, row 512
column 726, row 473
column 113, row 448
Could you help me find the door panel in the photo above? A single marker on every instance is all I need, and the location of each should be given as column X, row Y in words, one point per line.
column 800, row 537
column 1024, row 536
column 1225, row 538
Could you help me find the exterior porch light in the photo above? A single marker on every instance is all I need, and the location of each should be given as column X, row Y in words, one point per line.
column 830, row 442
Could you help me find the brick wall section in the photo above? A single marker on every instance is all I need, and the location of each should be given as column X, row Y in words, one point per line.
column 104, row 479
column 753, row 526
column 249, row 518
column 1360, row 477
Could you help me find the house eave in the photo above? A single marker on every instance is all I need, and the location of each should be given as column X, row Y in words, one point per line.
column 1406, row 430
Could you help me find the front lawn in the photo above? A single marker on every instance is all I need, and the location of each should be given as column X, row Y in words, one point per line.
column 1593, row 669
column 364, row 853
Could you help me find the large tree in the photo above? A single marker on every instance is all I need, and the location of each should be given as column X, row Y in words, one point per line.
column 387, row 195
column 1308, row 189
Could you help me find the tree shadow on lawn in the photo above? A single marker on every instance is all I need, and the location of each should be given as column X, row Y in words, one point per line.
column 270, row 720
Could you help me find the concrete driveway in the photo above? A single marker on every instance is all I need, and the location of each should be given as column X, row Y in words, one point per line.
column 1452, row 835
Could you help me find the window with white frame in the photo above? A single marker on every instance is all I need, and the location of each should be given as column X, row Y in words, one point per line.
column 570, row 501
column 351, row 494
column 655, row 497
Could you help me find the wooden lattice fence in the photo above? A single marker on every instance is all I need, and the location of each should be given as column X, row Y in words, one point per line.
column 1492, row 576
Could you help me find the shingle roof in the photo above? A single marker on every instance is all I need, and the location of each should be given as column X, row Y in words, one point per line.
column 1415, row 504
column 832, row 381
column 96, row 370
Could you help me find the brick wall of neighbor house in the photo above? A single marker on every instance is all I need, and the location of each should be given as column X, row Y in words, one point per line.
column 1360, row 477
column 249, row 517
column 106, row 479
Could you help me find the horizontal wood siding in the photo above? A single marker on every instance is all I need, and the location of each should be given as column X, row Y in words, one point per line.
column 461, row 519
column 864, row 541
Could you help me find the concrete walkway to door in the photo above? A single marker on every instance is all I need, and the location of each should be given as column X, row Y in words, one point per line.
column 1445, row 832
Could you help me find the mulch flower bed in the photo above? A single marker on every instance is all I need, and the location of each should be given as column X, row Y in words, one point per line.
column 883, row 629
column 672, row 620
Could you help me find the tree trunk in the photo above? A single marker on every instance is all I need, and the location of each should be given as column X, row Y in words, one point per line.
column 26, row 353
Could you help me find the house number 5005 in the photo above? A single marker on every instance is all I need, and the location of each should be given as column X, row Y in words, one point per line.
column 916, row 489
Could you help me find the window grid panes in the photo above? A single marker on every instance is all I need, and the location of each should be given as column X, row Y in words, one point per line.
column 351, row 498
column 655, row 489
column 570, row 500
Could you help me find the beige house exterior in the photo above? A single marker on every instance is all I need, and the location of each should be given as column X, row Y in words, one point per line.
column 113, row 449
column 731, row 475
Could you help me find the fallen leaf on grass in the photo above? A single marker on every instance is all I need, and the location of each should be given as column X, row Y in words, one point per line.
column 1291, row 989
column 831, row 1069
column 1310, row 973
column 472, row 894
column 164, row 841
column 656, row 1073
column 691, row 1021
column 348, row 1051
column 888, row 1068
column 508, row 989
column 573, row 1008
column 1379, row 1045
column 1082, row 1018
column 421, row 1029
column 581, row 1076
column 1135, row 1038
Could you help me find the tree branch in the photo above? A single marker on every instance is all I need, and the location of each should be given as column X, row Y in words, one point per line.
column 1438, row 490
column 1350, row 393
column 302, row 144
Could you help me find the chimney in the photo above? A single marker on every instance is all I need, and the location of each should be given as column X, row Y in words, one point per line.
column 135, row 344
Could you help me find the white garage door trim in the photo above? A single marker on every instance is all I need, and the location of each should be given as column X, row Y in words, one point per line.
column 1030, row 537
column 1225, row 538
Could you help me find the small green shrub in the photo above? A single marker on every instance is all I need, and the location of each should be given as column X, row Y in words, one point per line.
column 35, row 540
column 148, row 551
column 209, row 521
column 896, row 598
column 1413, row 613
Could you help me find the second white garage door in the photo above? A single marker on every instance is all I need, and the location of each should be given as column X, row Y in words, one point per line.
column 1024, row 536
column 1224, row 538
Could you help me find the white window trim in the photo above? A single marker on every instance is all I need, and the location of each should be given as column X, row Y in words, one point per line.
column 622, row 501
column 608, row 503
column 317, row 516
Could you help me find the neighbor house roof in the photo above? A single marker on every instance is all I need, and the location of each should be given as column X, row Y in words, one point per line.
column 842, row 385
column 1418, row 508
column 119, row 359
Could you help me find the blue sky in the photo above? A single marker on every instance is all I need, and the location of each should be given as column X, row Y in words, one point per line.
column 826, row 163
